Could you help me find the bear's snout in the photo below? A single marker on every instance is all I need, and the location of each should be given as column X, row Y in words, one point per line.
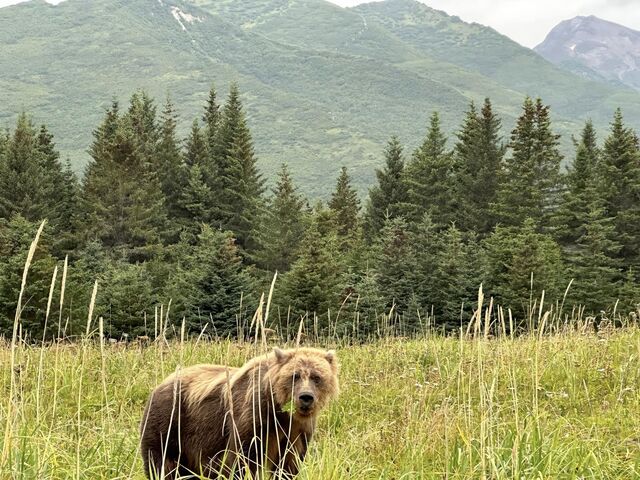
column 306, row 400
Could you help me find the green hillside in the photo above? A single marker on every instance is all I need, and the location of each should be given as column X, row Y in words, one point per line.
column 324, row 86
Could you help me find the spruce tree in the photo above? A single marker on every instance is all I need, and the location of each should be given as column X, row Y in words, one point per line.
column 520, row 196
column 49, row 159
column 394, row 264
column 142, row 120
column 620, row 188
column 345, row 205
column 429, row 178
column 16, row 235
column 532, row 172
column 125, row 299
column 30, row 173
column 247, row 204
column 60, row 190
column 90, row 262
column 582, row 195
column 201, row 191
column 314, row 283
column 4, row 142
column 196, row 197
column 594, row 264
column 123, row 204
column 282, row 226
column 211, row 119
column 239, row 183
column 67, row 214
column 457, row 280
column 210, row 282
column 425, row 248
column 513, row 255
column 365, row 304
column 445, row 272
column 387, row 198
column 171, row 170
column 450, row 275
column 479, row 153
column 104, row 135
column 196, row 152
column 629, row 295
column 227, row 170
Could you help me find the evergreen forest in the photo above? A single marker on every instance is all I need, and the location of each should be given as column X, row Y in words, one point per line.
column 189, row 230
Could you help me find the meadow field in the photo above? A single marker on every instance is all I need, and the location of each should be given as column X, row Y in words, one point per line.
column 564, row 404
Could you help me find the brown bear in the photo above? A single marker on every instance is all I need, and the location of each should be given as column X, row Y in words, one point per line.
column 217, row 421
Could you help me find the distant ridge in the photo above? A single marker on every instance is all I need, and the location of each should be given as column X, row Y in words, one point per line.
column 323, row 85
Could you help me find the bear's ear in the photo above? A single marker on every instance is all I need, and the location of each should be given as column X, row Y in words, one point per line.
column 331, row 356
column 281, row 355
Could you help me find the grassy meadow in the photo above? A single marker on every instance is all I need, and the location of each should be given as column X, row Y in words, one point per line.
column 561, row 401
column 563, row 405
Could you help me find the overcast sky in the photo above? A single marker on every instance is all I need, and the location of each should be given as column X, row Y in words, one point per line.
column 526, row 21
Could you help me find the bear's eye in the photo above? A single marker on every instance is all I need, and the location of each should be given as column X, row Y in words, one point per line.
column 296, row 377
column 316, row 379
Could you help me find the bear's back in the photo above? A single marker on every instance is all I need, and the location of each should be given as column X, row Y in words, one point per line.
column 186, row 413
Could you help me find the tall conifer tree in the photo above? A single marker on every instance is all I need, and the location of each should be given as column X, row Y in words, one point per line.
column 16, row 236
column 211, row 282
column 240, row 184
column 582, row 196
column 142, row 120
column 479, row 154
column 345, row 206
column 394, row 263
column 429, row 177
column 4, row 142
column 196, row 147
column 594, row 263
column 621, row 187
column 211, row 119
column 122, row 199
column 27, row 176
column 532, row 174
column 387, row 198
column 68, row 215
column 282, row 226
column 171, row 169
column 314, row 282
column 104, row 135
column 516, row 254
column 198, row 198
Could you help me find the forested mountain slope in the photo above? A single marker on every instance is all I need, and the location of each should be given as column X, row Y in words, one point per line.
column 325, row 86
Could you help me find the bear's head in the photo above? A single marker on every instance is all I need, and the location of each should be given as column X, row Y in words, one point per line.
column 305, row 380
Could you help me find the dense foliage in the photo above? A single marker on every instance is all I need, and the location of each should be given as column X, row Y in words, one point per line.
column 181, row 232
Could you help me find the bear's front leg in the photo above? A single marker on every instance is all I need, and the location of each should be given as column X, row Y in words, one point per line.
column 293, row 454
column 163, row 470
column 238, row 462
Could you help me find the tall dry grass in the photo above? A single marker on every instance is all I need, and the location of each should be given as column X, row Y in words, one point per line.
column 559, row 401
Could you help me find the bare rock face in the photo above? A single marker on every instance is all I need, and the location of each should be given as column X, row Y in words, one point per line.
column 595, row 48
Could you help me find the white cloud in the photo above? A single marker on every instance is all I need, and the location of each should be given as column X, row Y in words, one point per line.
column 6, row 3
column 528, row 21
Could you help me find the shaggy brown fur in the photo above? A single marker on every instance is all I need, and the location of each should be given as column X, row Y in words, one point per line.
column 213, row 419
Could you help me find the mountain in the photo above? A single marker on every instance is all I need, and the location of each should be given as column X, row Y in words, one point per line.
column 324, row 86
column 596, row 49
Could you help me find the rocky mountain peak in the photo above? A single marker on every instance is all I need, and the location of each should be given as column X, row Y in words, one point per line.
column 596, row 48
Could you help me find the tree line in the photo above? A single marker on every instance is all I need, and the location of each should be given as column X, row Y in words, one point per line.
column 186, row 226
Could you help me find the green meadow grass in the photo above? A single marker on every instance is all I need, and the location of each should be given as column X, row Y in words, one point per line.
column 565, row 405
column 561, row 402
